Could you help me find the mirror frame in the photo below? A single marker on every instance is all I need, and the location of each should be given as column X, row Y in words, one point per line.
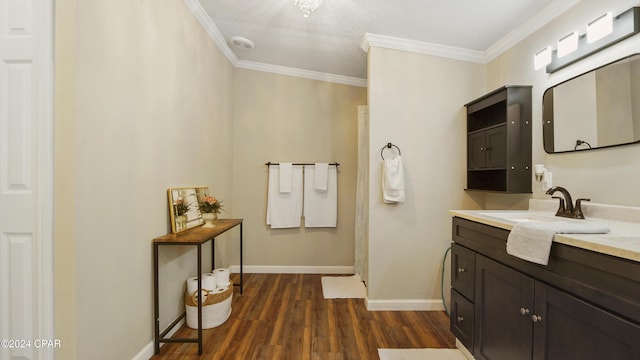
column 191, row 195
column 547, row 114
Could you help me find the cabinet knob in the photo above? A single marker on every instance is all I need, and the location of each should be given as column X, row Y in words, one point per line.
column 482, row 148
column 460, row 318
column 461, row 270
column 524, row 311
column 536, row 318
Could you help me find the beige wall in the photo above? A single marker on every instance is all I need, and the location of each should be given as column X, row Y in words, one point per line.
column 145, row 104
column 131, row 122
column 64, row 181
column 281, row 118
column 417, row 102
column 605, row 176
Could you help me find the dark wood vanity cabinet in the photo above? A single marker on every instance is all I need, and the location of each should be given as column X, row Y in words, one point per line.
column 582, row 305
column 462, row 294
column 499, row 141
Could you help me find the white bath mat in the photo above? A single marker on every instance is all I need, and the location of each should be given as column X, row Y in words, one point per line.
column 420, row 354
column 343, row 287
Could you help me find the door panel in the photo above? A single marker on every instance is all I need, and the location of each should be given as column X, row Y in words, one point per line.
column 501, row 331
column 476, row 150
column 496, row 142
column 602, row 334
column 26, row 293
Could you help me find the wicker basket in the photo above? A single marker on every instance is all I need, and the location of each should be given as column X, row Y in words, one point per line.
column 216, row 307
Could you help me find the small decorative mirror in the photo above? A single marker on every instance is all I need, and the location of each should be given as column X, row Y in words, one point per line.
column 598, row 109
column 183, row 207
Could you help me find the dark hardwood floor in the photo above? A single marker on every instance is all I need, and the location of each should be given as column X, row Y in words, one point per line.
column 284, row 316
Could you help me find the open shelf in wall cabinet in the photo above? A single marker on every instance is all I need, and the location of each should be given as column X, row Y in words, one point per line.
column 499, row 141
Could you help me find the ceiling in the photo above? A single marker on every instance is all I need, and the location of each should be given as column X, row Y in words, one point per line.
column 331, row 40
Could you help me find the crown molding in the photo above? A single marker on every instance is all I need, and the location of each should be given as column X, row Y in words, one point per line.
column 421, row 47
column 537, row 21
column 307, row 74
column 210, row 28
column 543, row 17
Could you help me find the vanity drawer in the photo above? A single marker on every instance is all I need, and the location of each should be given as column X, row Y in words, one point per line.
column 463, row 264
column 462, row 318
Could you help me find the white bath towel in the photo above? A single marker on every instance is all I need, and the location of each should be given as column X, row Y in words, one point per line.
column 320, row 207
column 321, row 179
column 531, row 241
column 284, row 210
column 393, row 180
column 285, row 177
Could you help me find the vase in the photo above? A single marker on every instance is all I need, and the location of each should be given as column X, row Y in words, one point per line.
column 209, row 220
column 181, row 222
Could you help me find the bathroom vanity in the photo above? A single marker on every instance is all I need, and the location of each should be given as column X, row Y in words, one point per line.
column 585, row 304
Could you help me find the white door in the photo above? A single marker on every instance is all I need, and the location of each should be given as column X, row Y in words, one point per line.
column 26, row 256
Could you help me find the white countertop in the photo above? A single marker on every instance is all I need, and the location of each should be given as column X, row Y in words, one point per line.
column 622, row 241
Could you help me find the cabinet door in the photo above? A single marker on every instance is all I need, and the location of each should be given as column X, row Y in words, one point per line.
column 463, row 265
column 569, row 328
column 476, row 150
column 503, row 299
column 496, row 147
column 461, row 321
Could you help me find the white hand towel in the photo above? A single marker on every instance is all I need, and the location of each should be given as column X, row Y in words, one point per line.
column 284, row 210
column 393, row 180
column 321, row 180
column 531, row 241
column 285, row 177
column 320, row 207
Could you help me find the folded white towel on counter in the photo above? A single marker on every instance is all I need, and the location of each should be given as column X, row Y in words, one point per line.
column 320, row 207
column 285, row 177
column 531, row 241
column 284, row 210
column 393, row 180
column 321, row 179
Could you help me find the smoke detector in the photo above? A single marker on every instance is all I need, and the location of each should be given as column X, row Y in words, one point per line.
column 241, row 43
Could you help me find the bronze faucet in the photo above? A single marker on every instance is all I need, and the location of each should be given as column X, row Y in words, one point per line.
column 566, row 208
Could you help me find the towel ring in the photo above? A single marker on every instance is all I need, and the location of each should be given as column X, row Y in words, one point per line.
column 389, row 146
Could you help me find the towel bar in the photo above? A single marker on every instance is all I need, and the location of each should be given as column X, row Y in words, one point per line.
column 389, row 146
column 271, row 163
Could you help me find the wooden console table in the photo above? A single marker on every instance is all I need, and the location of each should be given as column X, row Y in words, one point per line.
column 197, row 237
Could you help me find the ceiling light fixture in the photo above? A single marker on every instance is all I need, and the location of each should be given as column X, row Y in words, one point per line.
column 308, row 6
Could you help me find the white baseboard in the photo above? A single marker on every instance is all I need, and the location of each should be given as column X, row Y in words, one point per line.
column 149, row 349
column 404, row 305
column 464, row 350
column 268, row 269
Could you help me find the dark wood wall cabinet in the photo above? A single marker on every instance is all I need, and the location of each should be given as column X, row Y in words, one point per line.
column 582, row 305
column 499, row 141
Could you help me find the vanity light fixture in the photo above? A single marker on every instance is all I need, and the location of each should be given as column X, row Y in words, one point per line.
column 599, row 28
column 542, row 58
column 601, row 33
column 568, row 44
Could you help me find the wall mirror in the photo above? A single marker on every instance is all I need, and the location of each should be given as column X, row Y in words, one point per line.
column 183, row 207
column 598, row 109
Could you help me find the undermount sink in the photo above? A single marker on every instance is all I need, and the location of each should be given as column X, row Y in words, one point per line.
column 519, row 217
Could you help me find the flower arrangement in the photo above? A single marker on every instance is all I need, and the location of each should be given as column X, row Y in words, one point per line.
column 182, row 207
column 210, row 204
